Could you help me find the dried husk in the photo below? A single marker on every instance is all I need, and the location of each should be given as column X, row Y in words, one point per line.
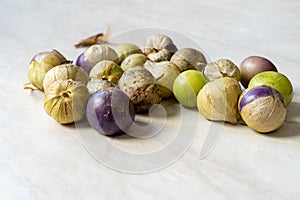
column 98, row 38
column 133, row 60
column 65, row 72
column 41, row 64
column 96, row 84
column 97, row 53
column 162, row 55
column 156, row 48
column 218, row 99
column 189, row 58
column 65, row 101
column 165, row 73
column 106, row 70
column 140, row 85
column 221, row 68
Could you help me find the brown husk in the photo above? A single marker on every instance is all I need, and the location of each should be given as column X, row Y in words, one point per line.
column 95, row 39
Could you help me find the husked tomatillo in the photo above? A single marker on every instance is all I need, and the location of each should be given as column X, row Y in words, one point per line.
column 165, row 73
column 262, row 108
column 41, row 64
column 65, row 72
column 218, row 99
column 107, row 70
column 94, row 54
column 221, row 68
column 189, row 58
column 65, row 101
column 159, row 48
column 140, row 85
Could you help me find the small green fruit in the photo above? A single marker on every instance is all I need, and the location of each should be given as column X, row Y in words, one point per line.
column 276, row 80
column 187, row 86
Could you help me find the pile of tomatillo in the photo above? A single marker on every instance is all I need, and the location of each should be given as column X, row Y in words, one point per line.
column 110, row 85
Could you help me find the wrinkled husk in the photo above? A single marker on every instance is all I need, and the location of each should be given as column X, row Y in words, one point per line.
column 264, row 114
column 221, row 68
column 96, row 84
column 41, row 64
column 189, row 58
column 162, row 55
column 165, row 73
column 139, row 84
column 65, row 72
column 97, row 53
column 65, row 101
column 124, row 50
column 133, row 60
column 155, row 48
column 217, row 100
column 106, row 70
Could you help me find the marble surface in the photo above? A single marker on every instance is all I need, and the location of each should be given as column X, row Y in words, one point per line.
column 40, row 159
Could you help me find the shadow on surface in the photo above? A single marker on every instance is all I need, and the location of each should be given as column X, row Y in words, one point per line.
column 291, row 126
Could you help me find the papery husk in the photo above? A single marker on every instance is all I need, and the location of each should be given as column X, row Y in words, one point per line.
column 133, row 60
column 97, row 53
column 65, row 72
column 96, row 84
column 126, row 49
column 41, row 64
column 155, row 48
column 105, row 70
column 140, row 85
column 221, row 68
column 165, row 74
column 217, row 100
column 264, row 114
column 162, row 55
column 189, row 58
column 65, row 101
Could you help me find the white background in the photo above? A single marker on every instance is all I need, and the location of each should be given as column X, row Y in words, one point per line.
column 40, row 159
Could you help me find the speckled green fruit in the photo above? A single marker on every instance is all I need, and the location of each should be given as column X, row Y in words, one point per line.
column 187, row 86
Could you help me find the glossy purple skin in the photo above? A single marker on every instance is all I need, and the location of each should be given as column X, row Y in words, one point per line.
column 257, row 92
column 82, row 62
column 253, row 65
column 110, row 111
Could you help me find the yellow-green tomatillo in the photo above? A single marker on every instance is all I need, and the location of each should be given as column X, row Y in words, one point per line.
column 187, row 86
column 276, row 80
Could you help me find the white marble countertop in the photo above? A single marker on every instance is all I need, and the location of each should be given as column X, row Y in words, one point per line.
column 40, row 159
